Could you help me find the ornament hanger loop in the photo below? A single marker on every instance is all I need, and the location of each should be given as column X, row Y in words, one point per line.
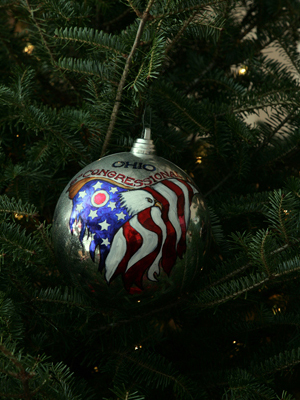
column 150, row 117
column 147, row 134
column 144, row 146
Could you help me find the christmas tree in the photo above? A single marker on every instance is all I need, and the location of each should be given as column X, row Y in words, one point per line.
column 81, row 80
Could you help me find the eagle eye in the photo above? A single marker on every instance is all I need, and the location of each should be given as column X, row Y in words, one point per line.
column 149, row 200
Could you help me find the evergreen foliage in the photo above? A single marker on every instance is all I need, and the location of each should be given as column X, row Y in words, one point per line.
column 81, row 79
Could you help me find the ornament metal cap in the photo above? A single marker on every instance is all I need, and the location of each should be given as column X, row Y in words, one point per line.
column 143, row 146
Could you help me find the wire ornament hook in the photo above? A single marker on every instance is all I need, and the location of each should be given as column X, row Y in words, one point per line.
column 147, row 126
column 144, row 146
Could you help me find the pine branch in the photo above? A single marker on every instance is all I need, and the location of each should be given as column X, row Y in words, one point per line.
column 280, row 362
column 118, row 18
column 263, row 253
column 180, row 104
column 160, row 372
column 118, row 99
column 45, row 43
column 31, row 12
column 243, row 385
column 244, row 285
column 282, row 123
column 46, row 240
column 124, row 394
column 195, row 7
column 264, row 105
column 84, row 67
column 181, row 31
column 291, row 56
column 228, row 276
column 280, row 215
column 17, row 208
column 66, row 296
column 29, row 300
column 138, row 13
column 22, row 375
column 232, row 289
column 15, row 243
column 98, row 39
column 218, row 184
column 137, row 317
column 9, row 4
column 13, row 359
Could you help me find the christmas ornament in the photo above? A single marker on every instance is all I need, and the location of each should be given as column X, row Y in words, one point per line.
column 133, row 221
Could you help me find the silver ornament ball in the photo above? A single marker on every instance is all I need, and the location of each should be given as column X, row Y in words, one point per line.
column 131, row 223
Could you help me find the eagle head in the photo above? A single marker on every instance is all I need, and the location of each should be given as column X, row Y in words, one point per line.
column 136, row 201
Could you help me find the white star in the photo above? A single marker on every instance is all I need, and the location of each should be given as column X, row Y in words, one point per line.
column 104, row 225
column 105, row 242
column 121, row 215
column 82, row 194
column 93, row 214
column 79, row 207
column 97, row 185
column 112, row 205
column 113, row 190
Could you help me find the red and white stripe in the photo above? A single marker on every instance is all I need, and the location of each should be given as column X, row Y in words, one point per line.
column 153, row 238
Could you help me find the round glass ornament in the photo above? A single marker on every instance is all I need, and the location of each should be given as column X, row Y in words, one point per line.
column 131, row 223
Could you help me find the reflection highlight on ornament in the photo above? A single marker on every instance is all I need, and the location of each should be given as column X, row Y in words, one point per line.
column 197, row 202
column 84, row 253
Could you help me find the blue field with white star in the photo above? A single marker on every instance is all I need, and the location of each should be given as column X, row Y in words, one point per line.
column 97, row 207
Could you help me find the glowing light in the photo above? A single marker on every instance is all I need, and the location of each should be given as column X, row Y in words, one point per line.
column 199, row 160
column 242, row 71
column 234, row 342
column 29, row 48
column 138, row 347
column 18, row 216
column 276, row 310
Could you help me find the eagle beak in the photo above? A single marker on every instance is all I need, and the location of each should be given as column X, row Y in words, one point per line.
column 158, row 204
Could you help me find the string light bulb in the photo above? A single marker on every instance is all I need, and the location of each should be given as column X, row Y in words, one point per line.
column 28, row 48
column 243, row 70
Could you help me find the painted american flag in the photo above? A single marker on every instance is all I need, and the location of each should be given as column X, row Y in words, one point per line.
column 137, row 231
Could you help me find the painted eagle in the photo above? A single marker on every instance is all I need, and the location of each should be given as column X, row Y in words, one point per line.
column 135, row 231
